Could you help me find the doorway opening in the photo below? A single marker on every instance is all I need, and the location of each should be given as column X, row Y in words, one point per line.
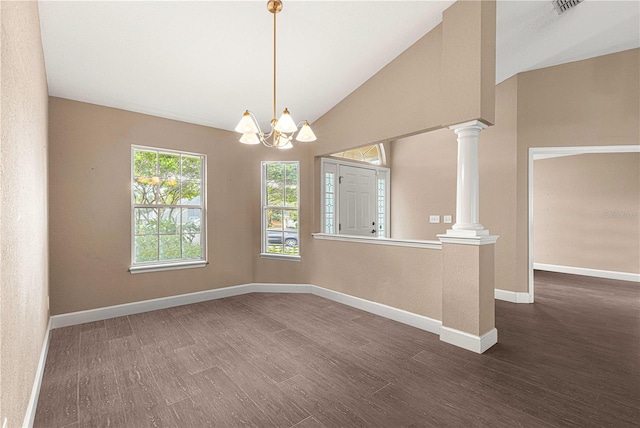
column 536, row 153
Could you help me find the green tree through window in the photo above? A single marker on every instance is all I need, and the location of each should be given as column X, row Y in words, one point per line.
column 168, row 206
column 281, row 208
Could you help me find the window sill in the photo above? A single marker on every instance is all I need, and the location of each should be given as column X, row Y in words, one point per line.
column 280, row 257
column 433, row 245
column 168, row 266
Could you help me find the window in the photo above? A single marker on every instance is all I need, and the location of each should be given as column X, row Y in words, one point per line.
column 168, row 209
column 280, row 209
column 355, row 199
column 373, row 154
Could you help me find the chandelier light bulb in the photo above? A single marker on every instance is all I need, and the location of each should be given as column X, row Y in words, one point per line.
column 249, row 139
column 286, row 123
column 247, row 125
column 306, row 134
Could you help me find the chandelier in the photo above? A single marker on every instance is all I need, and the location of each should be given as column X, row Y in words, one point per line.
column 283, row 129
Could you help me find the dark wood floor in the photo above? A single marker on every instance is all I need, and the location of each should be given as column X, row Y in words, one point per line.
column 283, row 360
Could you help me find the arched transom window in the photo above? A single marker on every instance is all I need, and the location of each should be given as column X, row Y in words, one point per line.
column 372, row 154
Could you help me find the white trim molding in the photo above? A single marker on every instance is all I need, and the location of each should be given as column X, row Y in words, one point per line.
column 512, row 296
column 107, row 312
column 470, row 342
column 455, row 238
column 30, row 415
column 597, row 273
column 433, row 245
column 419, row 321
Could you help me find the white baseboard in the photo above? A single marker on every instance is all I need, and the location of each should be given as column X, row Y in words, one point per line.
column 598, row 273
column 422, row 322
column 512, row 296
column 35, row 390
column 470, row 342
column 107, row 312
column 419, row 321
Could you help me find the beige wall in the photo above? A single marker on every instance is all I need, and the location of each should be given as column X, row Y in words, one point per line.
column 23, row 207
column 594, row 102
column 90, row 208
column 446, row 77
column 423, row 182
column 404, row 98
column 590, row 102
column 90, row 203
column 468, row 62
column 405, row 278
column 586, row 211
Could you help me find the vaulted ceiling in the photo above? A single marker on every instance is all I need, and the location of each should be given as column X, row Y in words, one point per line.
column 206, row 62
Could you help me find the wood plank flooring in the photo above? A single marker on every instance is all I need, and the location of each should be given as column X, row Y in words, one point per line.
column 297, row 360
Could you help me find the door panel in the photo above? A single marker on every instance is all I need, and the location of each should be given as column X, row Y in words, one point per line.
column 357, row 200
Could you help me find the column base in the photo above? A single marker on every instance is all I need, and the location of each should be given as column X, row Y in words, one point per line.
column 468, row 237
column 470, row 342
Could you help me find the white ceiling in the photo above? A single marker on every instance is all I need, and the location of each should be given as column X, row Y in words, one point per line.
column 206, row 62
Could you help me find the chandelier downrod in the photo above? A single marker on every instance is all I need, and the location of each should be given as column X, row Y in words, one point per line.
column 275, row 12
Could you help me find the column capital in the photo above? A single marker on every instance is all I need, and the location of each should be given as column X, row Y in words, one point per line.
column 474, row 125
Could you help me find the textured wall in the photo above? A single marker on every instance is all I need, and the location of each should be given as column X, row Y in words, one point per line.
column 402, row 277
column 468, row 62
column 595, row 102
column 90, row 206
column 406, row 98
column 423, row 182
column 468, row 297
column 586, row 211
column 23, row 207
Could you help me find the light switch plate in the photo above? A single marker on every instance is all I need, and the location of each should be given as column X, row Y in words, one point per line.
column 447, row 219
column 434, row 219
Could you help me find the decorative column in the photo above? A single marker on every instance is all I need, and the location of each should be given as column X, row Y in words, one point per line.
column 468, row 305
column 468, row 190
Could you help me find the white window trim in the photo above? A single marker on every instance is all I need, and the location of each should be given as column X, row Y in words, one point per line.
column 170, row 264
column 263, row 228
column 327, row 164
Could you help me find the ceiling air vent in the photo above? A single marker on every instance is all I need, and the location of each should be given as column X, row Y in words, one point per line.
column 564, row 5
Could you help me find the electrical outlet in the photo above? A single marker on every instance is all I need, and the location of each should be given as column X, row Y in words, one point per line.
column 448, row 219
column 5, row 423
column 434, row 219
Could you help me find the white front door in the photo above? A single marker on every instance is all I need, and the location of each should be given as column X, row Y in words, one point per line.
column 357, row 201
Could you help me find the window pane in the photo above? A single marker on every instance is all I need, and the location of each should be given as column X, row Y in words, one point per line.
column 191, row 191
column 146, row 248
column 191, row 249
column 329, row 183
column 144, row 163
column 275, row 172
column 191, row 168
column 275, row 185
column 191, row 233
column 169, row 247
column 169, row 221
column 146, row 221
column 291, row 182
column 144, row 190
column 274, row 219
column 169, row 191
column 169, row 165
